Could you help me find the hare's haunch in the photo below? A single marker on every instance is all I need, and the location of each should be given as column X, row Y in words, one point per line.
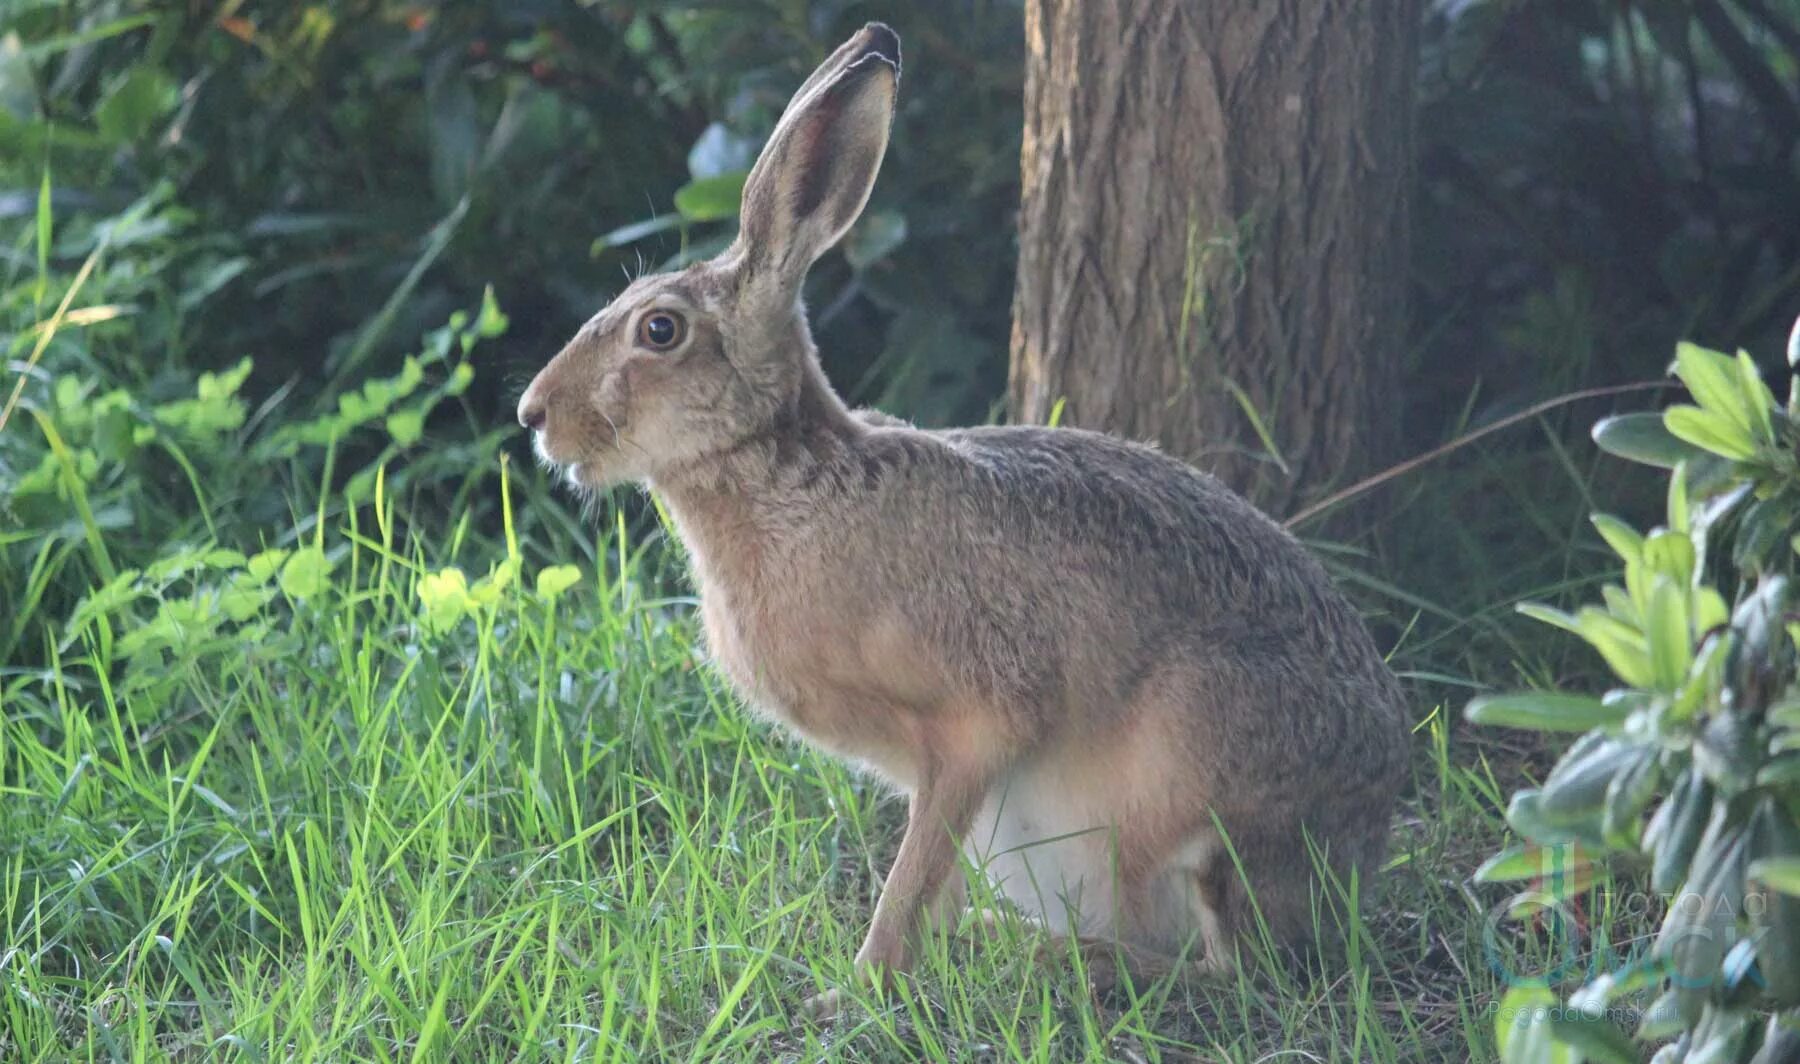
column 1079, row 658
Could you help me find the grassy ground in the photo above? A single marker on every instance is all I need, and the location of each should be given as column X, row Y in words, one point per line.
column 362, row 811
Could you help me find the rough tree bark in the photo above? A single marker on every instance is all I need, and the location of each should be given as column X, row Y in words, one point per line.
column 1215, row 221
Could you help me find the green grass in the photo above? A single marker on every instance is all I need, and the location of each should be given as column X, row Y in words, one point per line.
column 349, row 827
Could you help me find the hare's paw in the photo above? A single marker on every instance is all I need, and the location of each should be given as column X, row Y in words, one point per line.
column 877, row 963
column 823, row 1007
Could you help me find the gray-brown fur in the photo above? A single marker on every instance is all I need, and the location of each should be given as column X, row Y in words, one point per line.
column 1032, row 633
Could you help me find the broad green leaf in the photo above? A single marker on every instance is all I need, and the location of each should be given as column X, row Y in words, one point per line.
column 1670, row 555
column 1711, row 432
column 1551, row 616
column 491, row 321
column 1593, row 998
column 1523, row 1031
column 1595, row 1038
column 1710, row 610
column 1620, row 603
column 1530, row 862
column 1625, row 541
column 1678, row 500
column 488, row 589
column 1782, row 873
column 630, row 234
column 445, row 596
column 1622, row 646
column 1666, row 634
column 135, row 102
column 241, row 603
column 1544, row 711
column 1642, row 437
column 266, row 564
column 556, row 579
column 711, row 199
column 306, row 573
column 224, row 558
column 720, row 151
column 1712, row 380
column 406, row 426
column 1757, row 398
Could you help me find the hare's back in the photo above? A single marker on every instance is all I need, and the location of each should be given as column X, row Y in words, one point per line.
column 1130, row 508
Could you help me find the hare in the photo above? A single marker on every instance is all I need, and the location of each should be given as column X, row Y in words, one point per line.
column 1126, row 695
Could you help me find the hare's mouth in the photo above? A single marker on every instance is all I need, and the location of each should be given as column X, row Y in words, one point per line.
column 540, row 445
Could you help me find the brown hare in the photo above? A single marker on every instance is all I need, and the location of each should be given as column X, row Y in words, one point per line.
column 1079, row 658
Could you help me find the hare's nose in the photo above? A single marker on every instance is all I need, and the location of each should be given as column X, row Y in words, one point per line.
column 531, row 412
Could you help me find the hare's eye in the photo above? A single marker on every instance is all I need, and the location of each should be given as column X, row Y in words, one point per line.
column 661, row 330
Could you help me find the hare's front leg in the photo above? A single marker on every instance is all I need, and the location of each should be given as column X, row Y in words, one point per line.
column 936, row 820
column 937, row 817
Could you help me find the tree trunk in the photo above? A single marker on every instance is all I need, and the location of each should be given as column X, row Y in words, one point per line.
column 1213, row 233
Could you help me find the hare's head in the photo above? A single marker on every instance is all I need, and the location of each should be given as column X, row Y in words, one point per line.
column 687, row 365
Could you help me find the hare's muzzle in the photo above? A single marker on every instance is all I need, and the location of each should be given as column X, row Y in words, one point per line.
column 531, row 409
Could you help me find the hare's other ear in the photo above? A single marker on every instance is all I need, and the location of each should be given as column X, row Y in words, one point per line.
column 815, row 174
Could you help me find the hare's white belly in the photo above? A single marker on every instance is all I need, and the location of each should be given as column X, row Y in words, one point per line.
column 1049, row 846
column 1049, row 853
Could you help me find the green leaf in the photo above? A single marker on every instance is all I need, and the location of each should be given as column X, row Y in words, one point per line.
column 1782, row 873
column 1551, row 616
column 135, row 102
column 1666, row 633
column 1545, row 711
column 630, row 234
column 1671, row 555
column 711, row 199
column 1625, row 541
column 718, row 150
column 306, row 573
column 1712, row 380
column 1621, row 645
column 1593, row 1037
column 241, row 603
column 1710, row 609
column 1642, row 438
column 406, row 426
column 491, row 321
column 1523, row 1031
column 1708, row 431
column 1609, row 987
column 1530, row 862
column 264, row 565
column 1757, row 398
column 1678, row 500
column 555, row 580
column 445, row 596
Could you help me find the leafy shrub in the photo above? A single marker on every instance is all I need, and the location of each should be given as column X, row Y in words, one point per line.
column 163, row 497
column 1693, row 762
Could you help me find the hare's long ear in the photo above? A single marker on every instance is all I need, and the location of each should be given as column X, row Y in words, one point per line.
column 816, row 172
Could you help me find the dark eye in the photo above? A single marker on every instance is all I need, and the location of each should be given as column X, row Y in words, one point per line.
column 661, row 330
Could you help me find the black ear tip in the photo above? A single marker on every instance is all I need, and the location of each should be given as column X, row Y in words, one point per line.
column 882, row 41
